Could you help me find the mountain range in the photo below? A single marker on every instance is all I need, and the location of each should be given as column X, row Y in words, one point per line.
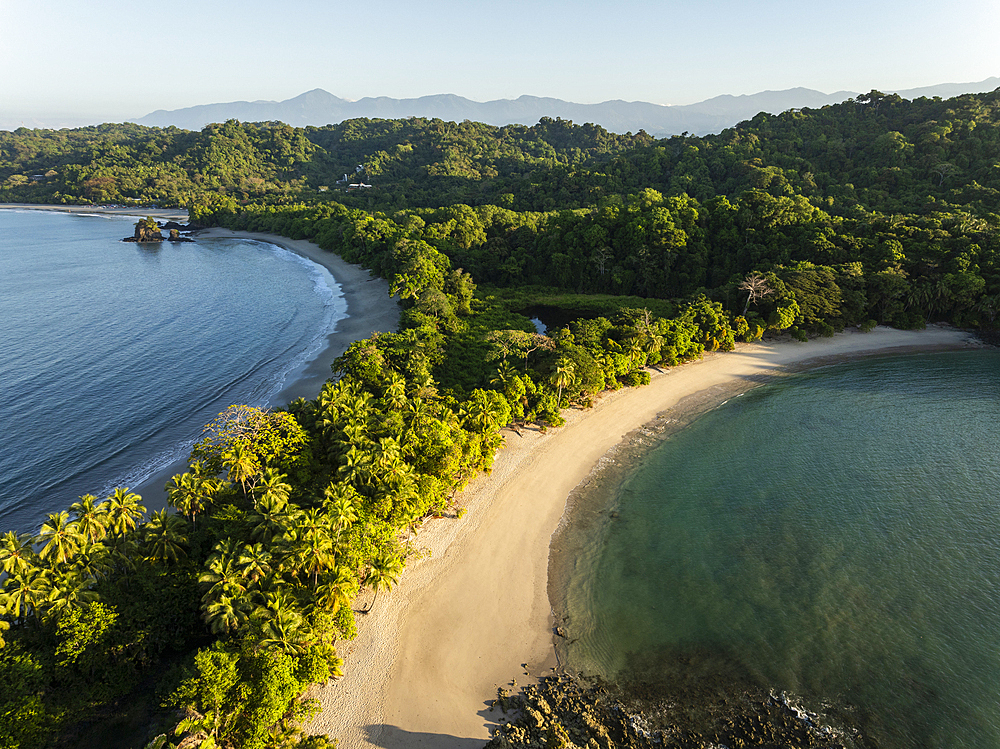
column 318, row 107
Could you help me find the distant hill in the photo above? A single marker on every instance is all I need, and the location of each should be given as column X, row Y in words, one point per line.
column 318, row 107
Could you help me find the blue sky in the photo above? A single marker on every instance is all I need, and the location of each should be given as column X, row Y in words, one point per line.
column 110, row 60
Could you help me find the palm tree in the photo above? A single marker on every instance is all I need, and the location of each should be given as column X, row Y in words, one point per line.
column 283, row 628
column 17, row 553
column 562, row 376
column 225, row 614
column 61, row 538
column 92, row 561
column 164, row 537
column 25, row 592
column 68, row 591
column 254, row 563
column 223, row 575
column 124, row 511
column 202, row 729
column 90, row 517
column 340, row 504
column 269, row 520
column 395, row 393
column 337, row 588
column 316, row 550
column 241, row 464
column 384, row 573
column 191, row 492
column 272, row 485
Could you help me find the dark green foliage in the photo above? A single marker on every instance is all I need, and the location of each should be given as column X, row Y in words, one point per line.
column 638, row 254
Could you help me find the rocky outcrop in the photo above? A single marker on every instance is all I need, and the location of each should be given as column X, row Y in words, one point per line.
column 570, row 713
column 146, row 230
column 176, row 237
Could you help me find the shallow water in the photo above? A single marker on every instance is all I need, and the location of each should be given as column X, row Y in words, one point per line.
column 836, row 534
column 115, row 355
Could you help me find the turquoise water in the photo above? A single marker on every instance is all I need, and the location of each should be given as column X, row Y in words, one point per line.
column 836, row 534
column 115, row 355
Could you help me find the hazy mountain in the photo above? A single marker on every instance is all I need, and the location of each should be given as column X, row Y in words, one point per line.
column 318, row 107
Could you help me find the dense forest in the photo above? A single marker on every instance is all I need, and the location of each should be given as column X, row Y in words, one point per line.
column 207, row 624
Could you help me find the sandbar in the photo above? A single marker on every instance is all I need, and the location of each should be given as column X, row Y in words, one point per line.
column 473, row 608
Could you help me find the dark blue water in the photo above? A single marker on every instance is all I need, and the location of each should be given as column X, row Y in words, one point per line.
column 836, row 534
column 115, row 355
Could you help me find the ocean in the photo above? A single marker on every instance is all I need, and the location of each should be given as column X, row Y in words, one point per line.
column 117, row 354
column 835, row 535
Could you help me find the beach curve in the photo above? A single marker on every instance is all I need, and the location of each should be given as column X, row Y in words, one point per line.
column 473, row 607
column 370, row 309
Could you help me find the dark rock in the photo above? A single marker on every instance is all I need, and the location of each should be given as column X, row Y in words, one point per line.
column 146, row 230
column 593, row 713
column 175, row 237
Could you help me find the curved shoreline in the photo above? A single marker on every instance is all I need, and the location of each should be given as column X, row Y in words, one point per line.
column 369, row 309
column 465, row 617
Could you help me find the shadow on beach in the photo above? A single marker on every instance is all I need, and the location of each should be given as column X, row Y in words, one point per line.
column 394, row 737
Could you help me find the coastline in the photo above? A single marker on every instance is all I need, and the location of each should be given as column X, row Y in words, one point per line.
column 369, row 309
column 474, row 608
column 167, row 214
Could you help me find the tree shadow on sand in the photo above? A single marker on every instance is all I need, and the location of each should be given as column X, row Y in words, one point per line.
column 394, row 737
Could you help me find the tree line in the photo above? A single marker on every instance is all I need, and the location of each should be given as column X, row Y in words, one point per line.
column 225, row 610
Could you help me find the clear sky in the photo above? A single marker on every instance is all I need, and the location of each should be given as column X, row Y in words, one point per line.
column 111, row 60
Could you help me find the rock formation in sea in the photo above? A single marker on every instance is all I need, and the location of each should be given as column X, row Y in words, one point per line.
column 146, row 230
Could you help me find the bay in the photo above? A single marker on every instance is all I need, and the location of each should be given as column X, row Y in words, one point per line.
column 115, row 355
column 836, row 535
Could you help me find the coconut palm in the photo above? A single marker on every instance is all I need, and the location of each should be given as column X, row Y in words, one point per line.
column 339, row 501
column 241, row 464
column 270, row 519
column 60, row 538
column 202, row 730
column 68, row 591
column 25, row 592
column 282, row 628
column 254, row 563
column 17, row 553
column 272, row 485
column 124, row 511
column 383, row 574
column 337, row 588
column 90, row 517
column 563, row 376
column 395, row 393
column 164, row 537
column 93, row 561
column 225, row 614
column 191, row 492
column 223, row 576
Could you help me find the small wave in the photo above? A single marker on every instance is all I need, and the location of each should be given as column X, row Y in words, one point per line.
column 143, row 472
column 264, row 391
column 327, row 288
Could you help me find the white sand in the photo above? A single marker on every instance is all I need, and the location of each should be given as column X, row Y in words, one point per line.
column 430, row 655
column 165, row 214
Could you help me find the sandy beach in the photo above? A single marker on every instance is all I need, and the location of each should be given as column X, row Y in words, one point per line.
column 369, row 309
column 474, row 608
column 164, row 214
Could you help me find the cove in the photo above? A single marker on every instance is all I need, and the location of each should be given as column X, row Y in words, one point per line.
column 833, row 534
